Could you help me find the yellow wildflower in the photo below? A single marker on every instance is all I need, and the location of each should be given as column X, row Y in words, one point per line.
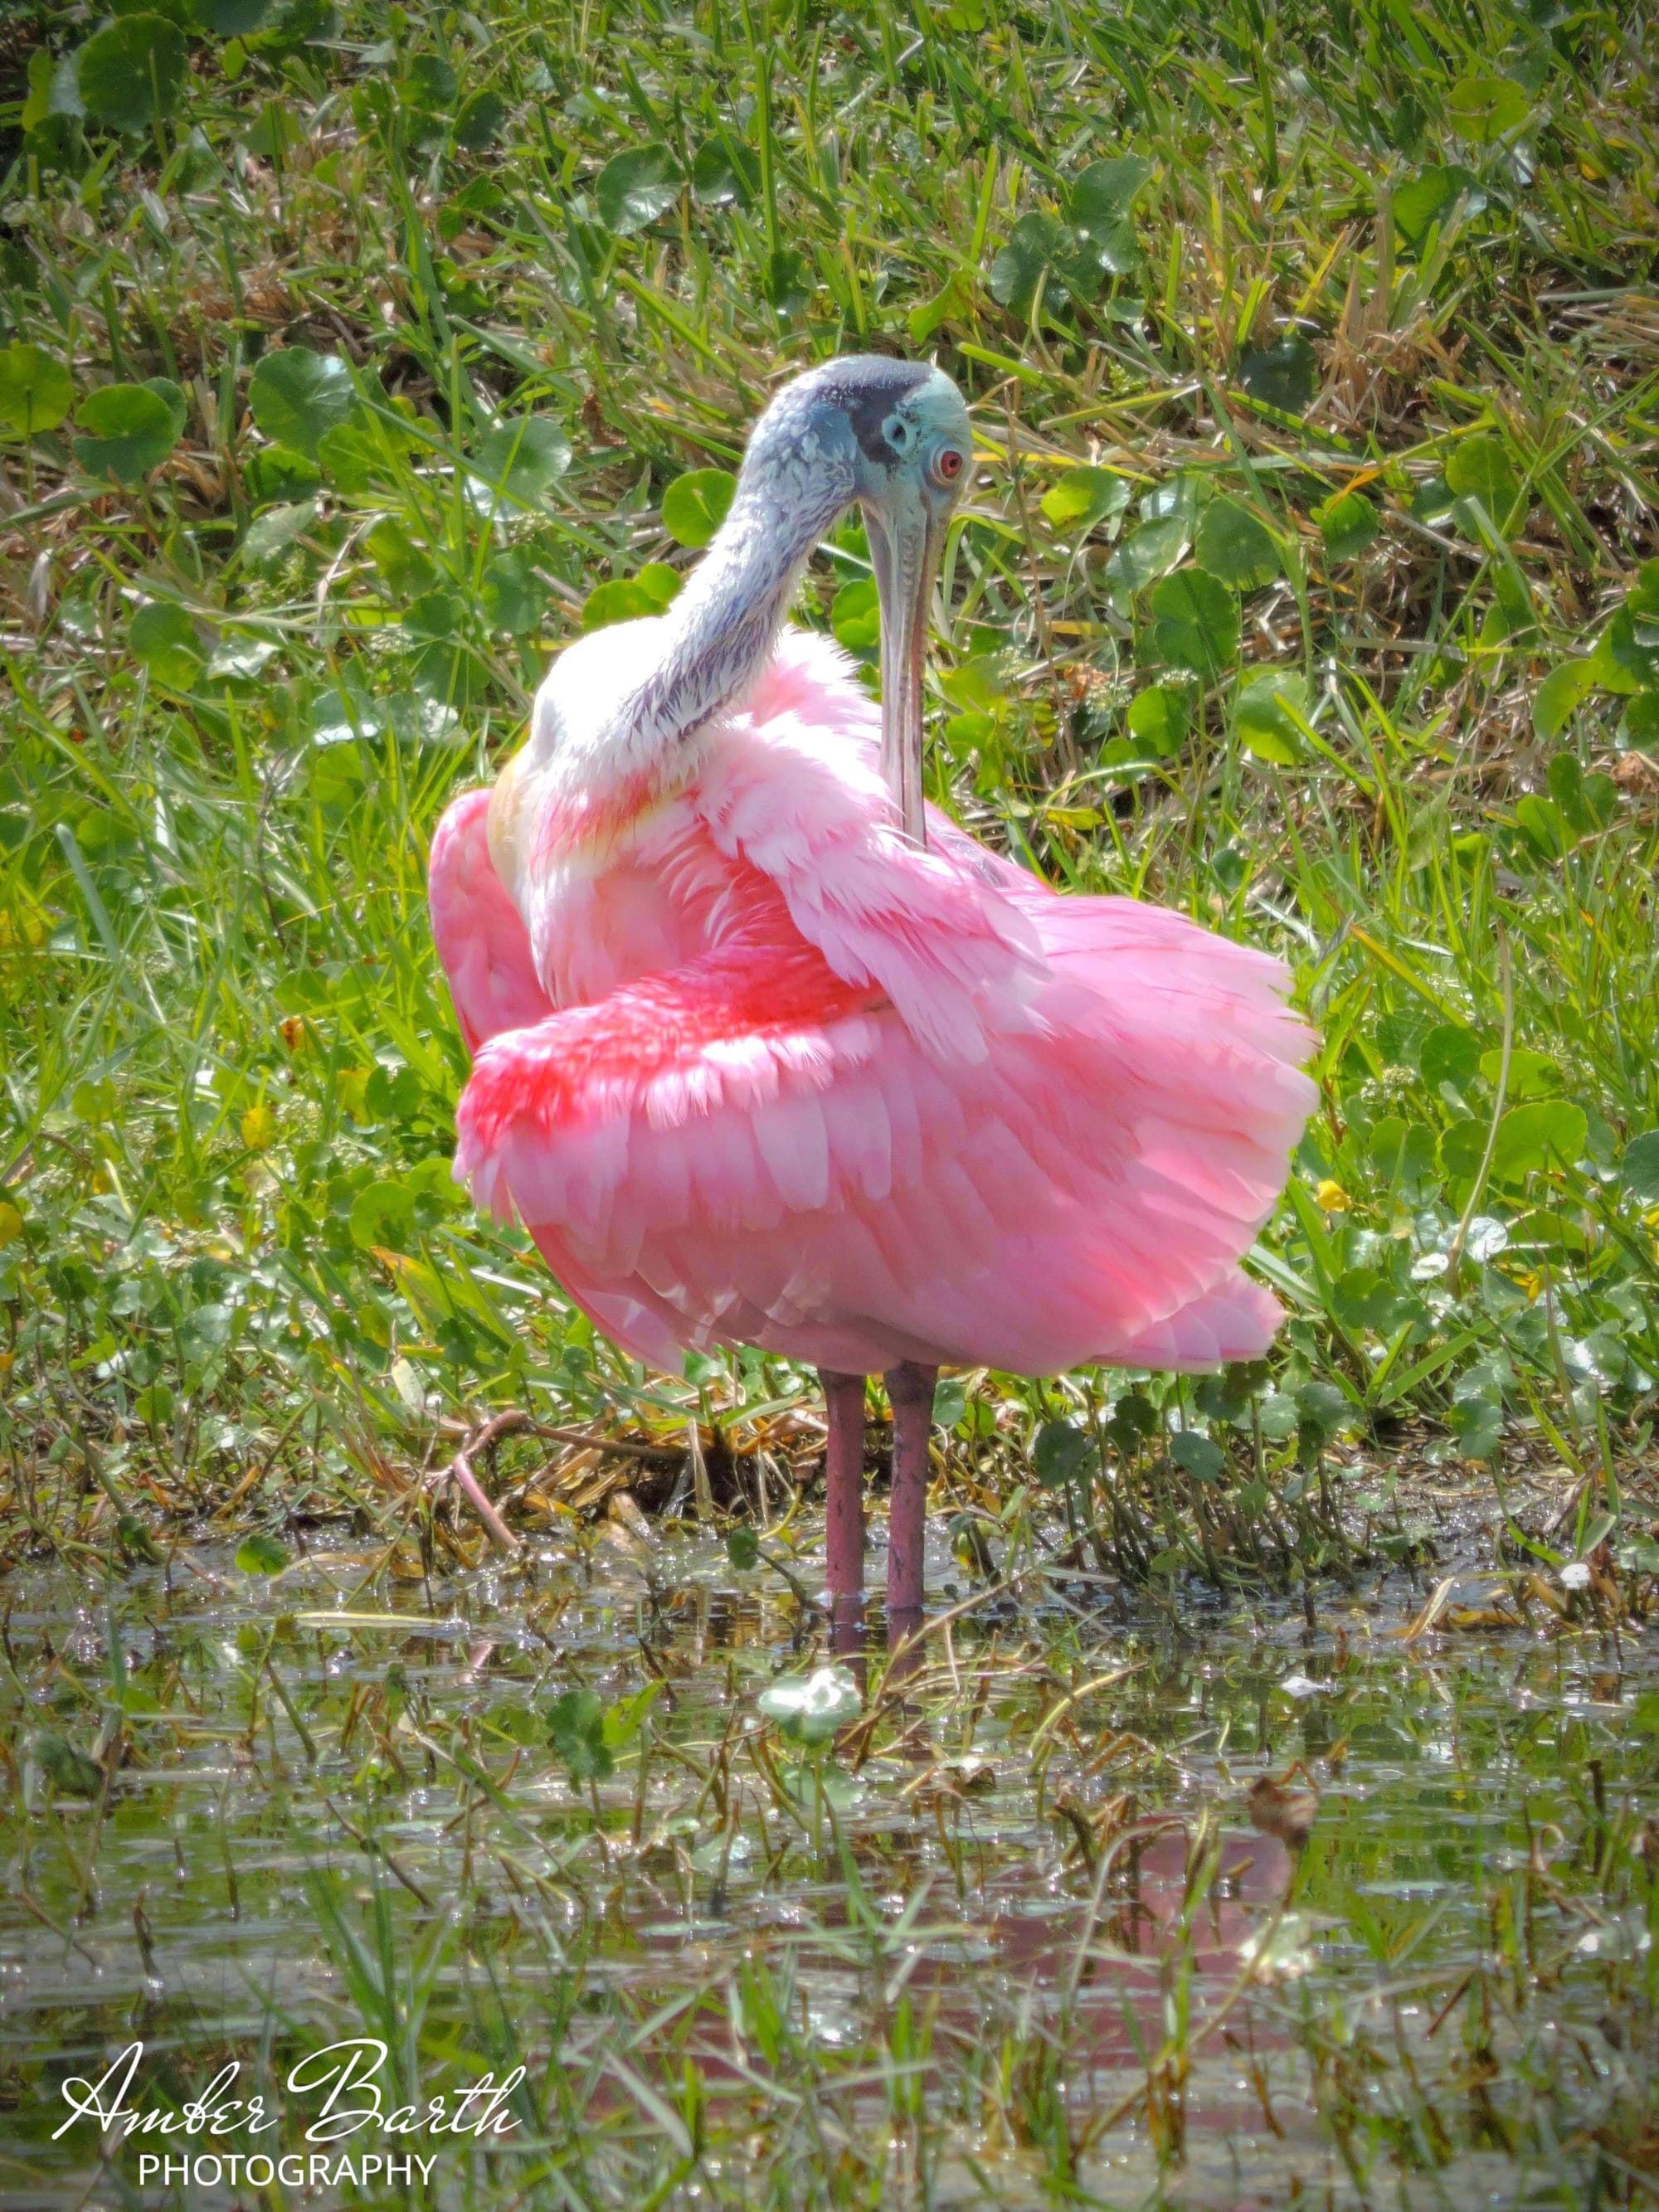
column 259, row 1128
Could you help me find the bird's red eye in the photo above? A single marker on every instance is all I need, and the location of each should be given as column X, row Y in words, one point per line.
column 948, row 464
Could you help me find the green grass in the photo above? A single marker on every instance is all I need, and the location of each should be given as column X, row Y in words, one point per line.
column 1318, row 430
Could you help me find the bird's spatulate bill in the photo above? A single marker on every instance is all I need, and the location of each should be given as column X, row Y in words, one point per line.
column 904, row 551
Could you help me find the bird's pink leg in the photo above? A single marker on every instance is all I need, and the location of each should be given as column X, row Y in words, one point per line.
column 910, row 1393
column 844, row 1399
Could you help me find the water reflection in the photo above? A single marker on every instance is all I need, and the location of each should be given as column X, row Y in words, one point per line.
column 974, row 1934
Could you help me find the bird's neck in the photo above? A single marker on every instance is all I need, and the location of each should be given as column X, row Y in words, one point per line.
column 622, row 722
column 720, row 634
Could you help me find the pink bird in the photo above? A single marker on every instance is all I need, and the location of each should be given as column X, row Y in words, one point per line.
column 766, row 1051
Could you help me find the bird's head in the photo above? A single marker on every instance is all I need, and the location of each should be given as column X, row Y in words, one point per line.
column 897, row 437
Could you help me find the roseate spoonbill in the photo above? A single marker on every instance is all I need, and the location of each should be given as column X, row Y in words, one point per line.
column 767, row 1051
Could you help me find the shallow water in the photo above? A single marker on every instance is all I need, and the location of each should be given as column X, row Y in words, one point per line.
column 1018, row 1937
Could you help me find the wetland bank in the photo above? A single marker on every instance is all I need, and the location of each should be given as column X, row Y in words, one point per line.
column 353, row 362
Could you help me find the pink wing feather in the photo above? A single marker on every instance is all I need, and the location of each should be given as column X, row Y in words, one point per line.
column 910, row 1105
column 479, row 932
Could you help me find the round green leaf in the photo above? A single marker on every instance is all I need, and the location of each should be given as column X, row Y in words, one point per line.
column 1147, row 553
column 694, row 505
column 659, row 583
column 300, row 23
column 1570, row 790
column 1112, row 247
column 354, row 455
column 1158, row 718
column 522, row 457
column 725, row 173
column 36, row 390
column 130, row 74
column 153, row 1404
column 1200, row 1455
column 383, row 1215
column 450, row 674
column 1401, row 1152
column 431, row 85
column 1640, row 1168
column 1449, row 1056
column 1348, row 524
column 976, row 684
column 1227, row 1397
column 1060, row 1454
column 127, row 429
column 1106, row 191
column 1627, row 658
column 513, row 598
column 1544, row 825
column 576, row 1728
column 1232, row 545
column 950, row 1402
column 1484, row 108
column 1195, row 623
column 1480, row 1425
column 1425, row 200
column 297, row 396
column 261, row 1554
column 1643, row 596
column 1099, row 210
column 276, row 133
column 743, row 1549
column 177, row 405
column 856, row 616
column 479, row 123
column 1549, row 1135
column 1285, row 376
column 1532, row 1074
column 634, row 188
column 1642, row 600
column 273, row 475
column 66, row 1768
column 1363, row 1299
column 1323, row 1408
column 1558, row 697
column 437, row 614
column 405, row 568
column 623, row 600
column 164, row 639
column 786, row 281
column 274, row 529
column 1133, row 1417
column 1263, row 718
column 1083, row 497
column 1638, row 726
column 1018, row 269
column 1463, row 1147
column 1479, row 468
